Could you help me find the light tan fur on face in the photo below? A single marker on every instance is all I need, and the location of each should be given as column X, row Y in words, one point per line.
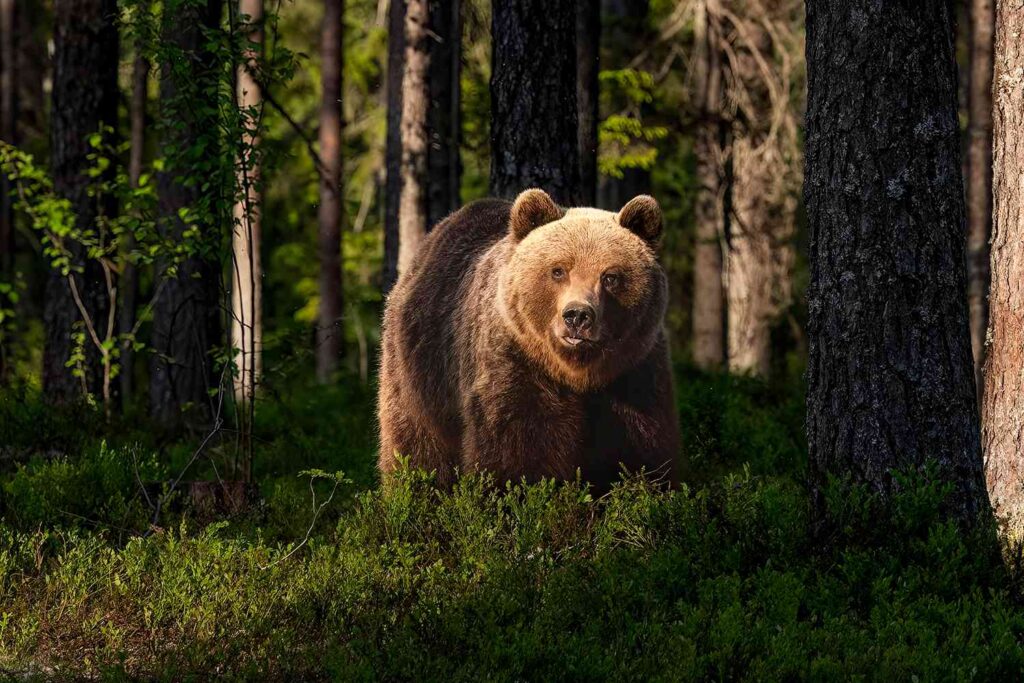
column 587, row 244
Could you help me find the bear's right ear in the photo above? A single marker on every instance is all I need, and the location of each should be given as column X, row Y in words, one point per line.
column 532, row 209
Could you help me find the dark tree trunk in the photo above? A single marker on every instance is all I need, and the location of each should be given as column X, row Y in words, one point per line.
column 533, row 99
column 393, row 144
column 1003, row 402
column 186, row 321
column 709, row 208
column 130, row 276
column 330, row 332
column 588, row 51
column 979, row 172
column 890, row 373
column 444, row 124
column 8, row 133
column 444, row 168
column 84, row 99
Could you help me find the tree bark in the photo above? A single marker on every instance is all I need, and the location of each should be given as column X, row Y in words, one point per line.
column 1003, row 398
column 760, row 231
column 444, row 117
column 533, row 99
column 890, row 372
column 186, row 322
column 412, row 208
column 136, row 152
column 393, row 145
column 979, row 172
column 709, row 205
column 588, row 52
column 247, row 270
column 330, row 332
column 85, row 42
column 8, row 133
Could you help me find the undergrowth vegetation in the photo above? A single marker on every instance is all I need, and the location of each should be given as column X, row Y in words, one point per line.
column 722, row 578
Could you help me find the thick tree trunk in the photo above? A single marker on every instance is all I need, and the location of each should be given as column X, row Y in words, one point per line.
column 185, row 316
column 890, row 372
column 979, row 172
column 330, row 332
column 85, row 42
column 130, row 276
column 1003, row 401
column 709, row 209
column 412, row 207
column 588, row 51
column 444, row 117
column 393, row 145
column 247, row 270
column 533, row 99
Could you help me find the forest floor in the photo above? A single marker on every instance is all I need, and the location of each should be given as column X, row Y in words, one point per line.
column 720, row 579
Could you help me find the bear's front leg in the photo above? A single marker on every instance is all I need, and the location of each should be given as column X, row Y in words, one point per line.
column 634, row 424
column 517, row 425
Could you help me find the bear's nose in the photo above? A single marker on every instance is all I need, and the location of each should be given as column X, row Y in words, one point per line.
column 578, row 316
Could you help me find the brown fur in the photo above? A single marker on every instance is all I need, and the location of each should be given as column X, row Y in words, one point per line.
column 481, row 372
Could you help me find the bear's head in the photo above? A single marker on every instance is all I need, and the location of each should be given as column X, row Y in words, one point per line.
column 582, row 291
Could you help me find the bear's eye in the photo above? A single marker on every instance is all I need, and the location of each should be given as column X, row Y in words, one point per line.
column 558, row 273
column 611, row 280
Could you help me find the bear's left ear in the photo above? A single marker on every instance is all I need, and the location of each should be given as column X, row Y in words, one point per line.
column 642, row 216
column 532, row 209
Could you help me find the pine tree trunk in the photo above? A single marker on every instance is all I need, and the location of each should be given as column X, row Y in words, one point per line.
column 533, row 99
column 85, row 42
column 760, row 256
column 709, row 209
column 890, row 372
column 1003, row 399
column 444, row 118
column 8, row 133
column 130, row 276
column 393, row 145
column 247, row 271
column 186, row 323
column 412, row 208
column 588, row 51
column 330, row 333
column 979, row 172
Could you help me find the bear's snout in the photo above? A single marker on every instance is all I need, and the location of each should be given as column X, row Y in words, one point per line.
column 578, row 316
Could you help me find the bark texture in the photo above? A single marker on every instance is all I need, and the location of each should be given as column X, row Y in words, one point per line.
column 8, row 124
column 136, row 152
column 444, row 167
column 186, row 324
column 393, row 144
column 247, row 270
column 330, row 331
column 979, row 171
column 533, row 99
column 890, row 372
column 763, row 188
column 1003, row 399
column 709, row 206
column 412, row 207
column 84, row 99
column 588, row 51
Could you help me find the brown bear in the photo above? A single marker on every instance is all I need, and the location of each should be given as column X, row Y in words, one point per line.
column 528, row 340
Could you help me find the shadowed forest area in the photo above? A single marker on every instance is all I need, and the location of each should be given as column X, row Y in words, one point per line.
column 204, row 205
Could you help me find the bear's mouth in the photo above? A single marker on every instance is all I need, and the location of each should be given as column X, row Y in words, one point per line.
column 574, row 342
